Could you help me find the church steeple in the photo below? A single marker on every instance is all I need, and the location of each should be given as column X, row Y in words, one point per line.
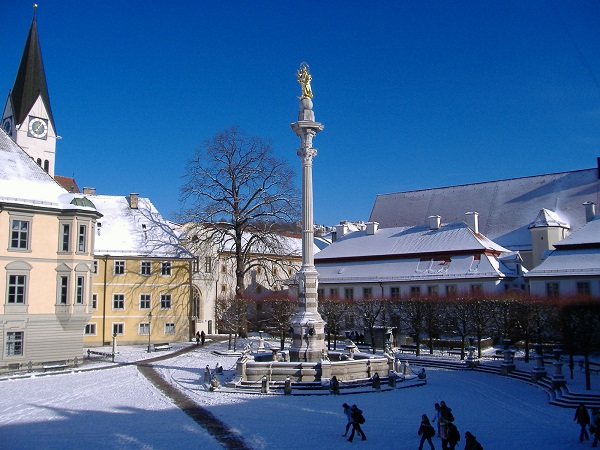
column 27, row 116
column 31, row 79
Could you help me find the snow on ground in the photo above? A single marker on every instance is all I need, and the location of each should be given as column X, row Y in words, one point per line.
column 118, row 408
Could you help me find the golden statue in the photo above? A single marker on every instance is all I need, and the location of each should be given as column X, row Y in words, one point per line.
column 304, row 80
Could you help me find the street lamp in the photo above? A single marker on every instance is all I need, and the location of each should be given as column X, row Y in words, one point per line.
column 149, row 322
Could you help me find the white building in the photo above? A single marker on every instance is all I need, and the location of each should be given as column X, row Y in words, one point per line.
column 439, row 259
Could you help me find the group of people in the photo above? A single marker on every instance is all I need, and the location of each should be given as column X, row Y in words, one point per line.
column 200, row 337
column 446, row 430
column 582, row 417
column 355, row 420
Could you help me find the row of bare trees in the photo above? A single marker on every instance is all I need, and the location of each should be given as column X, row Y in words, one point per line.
column 572, row 322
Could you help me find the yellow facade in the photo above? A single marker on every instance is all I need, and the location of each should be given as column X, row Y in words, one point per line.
column 127, row 289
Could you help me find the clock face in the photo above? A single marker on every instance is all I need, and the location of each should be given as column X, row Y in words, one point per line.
column 7, row 125
column 38, row 128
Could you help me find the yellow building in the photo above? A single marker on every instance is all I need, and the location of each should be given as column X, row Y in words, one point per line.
column 142, row 277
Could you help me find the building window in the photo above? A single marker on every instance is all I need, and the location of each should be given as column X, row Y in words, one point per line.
column 80, row 290
column 117, row 328
column 63, row 298
column 165, row 268
column 82, row 238
column 223, row 288
column 274, row 270
column 145, row 301
column 119, row 268
column 95, row 267
column 169, row 328
column 433, row 290
column 144, row 328
column 395, row 292
column 14, row 343
column 16, row 289
column 66, row 237
column 334, row 293
column 94, row 301
column 90, row 329
column 583, row 288
column 552, row 290
column 146, row 268
column 19, row 237
column 451, row 290
column 476, row 289
column 367, row 292
column 349, row 293
column 224, row 268
column 207, row 264
column 196, row 264
column 165, row 301
column 415, row 291
column 118, row 301
column 320, row 293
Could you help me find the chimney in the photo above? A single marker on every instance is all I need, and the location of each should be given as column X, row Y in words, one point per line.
column 434, row 222
column 372, row 228
column 341, row 230
column 473, row 221
column 133, row 201
column 89, row 191
column 590, row 211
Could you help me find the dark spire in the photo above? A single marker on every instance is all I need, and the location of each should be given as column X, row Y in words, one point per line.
column 31, row 78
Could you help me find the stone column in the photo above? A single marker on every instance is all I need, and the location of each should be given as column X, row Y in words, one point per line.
column 308, row 338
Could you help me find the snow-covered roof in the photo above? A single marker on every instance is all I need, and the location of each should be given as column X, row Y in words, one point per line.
column 415, row 240
column 288, row 246
column 412, row 269
column 576, row 255
column 411, row 253
column 505, row 207
column 572, row 262
column 141, row 231
column 23, row 182
column 547, row 218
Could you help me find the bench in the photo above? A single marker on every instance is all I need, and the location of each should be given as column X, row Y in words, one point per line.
column 408, row 348
column 163, row 346
column 92, row 353
column 54, row 365
column 455, row 352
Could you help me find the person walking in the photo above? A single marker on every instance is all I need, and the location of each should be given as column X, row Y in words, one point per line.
column 446, row 412
column 426, row 431
column 471, row 442
column 453, row 435
column 357, row 420
column 348, row 413
column 595, row 426
column 197, row 338
column 202, row 337
column 583, row 419
column 444, row 432
column 436, row 417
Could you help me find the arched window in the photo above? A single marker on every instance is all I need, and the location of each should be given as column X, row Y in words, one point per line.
column 46, row 165
column 39, row 162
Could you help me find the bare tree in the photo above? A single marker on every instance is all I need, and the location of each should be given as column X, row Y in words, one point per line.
column 279, row 311
column 368, row 311
column 236, row 196
column 333, row 311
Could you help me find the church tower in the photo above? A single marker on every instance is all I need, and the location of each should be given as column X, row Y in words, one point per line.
column 27, row 116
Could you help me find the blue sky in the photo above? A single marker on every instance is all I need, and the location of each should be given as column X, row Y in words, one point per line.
column 413, row 95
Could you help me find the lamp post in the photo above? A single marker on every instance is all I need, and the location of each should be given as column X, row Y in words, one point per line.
column 149, row 322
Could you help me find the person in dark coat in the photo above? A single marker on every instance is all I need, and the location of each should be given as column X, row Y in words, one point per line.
column 426, row 431
column 471, row 443
column 446, row 412
column 583, row 419
column 202, row 337
column 453, row 435
column 197, row 338
column 348, row 413
column 595, row 426
column 357, row 420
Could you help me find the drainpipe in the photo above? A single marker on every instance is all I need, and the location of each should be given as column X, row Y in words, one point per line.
column 105, row 257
